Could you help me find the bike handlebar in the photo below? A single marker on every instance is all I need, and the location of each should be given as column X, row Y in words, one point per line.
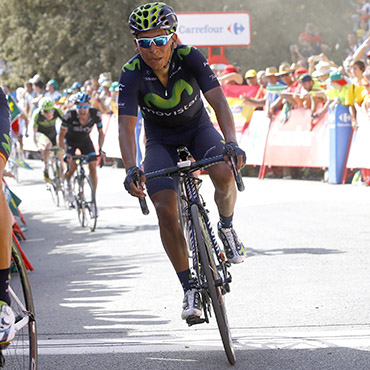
column 85, row 157
column 185, row 167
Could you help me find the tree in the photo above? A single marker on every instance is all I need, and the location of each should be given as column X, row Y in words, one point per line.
column 68, row 40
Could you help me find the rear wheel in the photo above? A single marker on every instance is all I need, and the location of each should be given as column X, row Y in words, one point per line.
column 212, row 275
column 21, row 353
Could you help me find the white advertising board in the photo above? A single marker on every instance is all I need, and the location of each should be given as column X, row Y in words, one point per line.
column 214, row 29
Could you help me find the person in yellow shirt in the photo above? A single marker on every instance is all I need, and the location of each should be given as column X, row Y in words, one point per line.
column 341, row 92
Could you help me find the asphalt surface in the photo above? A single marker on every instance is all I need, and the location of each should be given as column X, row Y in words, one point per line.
column 111, row 300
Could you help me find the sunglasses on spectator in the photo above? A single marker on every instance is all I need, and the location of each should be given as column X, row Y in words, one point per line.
column 82, row 106
column 157, row 41
column 285, row 75
column 49, row 110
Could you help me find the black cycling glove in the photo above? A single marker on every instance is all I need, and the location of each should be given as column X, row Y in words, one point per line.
column 232, row 148
column 133, row 175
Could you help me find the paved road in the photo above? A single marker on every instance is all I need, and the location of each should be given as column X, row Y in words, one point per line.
column 110, row 299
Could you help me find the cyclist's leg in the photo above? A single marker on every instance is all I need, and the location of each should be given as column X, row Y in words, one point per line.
column 164, row 197
column 165, row 203
column 163, row 194
column 43, row 142
column 87, row 148
column 208, row 142
column 5, row 239
column 7, row 318
column 93, row 173
column 71, row 164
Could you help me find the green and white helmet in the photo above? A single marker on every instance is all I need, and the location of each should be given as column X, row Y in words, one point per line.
column 152, row 16
column 46, row 104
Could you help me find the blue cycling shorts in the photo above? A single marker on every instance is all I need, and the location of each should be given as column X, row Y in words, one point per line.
column 202, row 139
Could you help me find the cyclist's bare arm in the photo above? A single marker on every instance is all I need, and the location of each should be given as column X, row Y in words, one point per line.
column 101, row 138
column 216, row 98
column 62, row 134
column 127, row 143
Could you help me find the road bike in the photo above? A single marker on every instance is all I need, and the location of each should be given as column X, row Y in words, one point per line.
column 21, row 352
column 84, row 193
column 209, row 263
column 56, row 184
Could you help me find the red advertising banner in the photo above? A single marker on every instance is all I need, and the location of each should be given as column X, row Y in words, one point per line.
column 294, row 144
column 242, row 113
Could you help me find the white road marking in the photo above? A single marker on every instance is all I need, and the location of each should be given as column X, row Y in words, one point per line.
column 207, row 341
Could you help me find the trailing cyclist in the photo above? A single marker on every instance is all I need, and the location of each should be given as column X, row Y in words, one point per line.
column 166, row 80
column 45, row 132
column 75, row 134
column 7, row 319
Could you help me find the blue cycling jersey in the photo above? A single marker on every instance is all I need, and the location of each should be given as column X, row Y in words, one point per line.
column 177, row 105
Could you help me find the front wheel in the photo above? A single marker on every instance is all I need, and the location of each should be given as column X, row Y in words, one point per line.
column 89, row 204
column 54, row 184
column 78, row 199
column 21, row 353
column 212, row 276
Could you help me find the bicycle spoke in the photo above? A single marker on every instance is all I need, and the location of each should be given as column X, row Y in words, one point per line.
column 209, row 268
column 22, row 351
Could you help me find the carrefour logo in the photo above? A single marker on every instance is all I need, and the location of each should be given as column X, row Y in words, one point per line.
column 236, row 28
column 345, row 117
column 236, row 109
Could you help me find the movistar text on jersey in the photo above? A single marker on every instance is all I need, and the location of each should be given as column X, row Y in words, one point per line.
column 173, row 113
column 205, row 29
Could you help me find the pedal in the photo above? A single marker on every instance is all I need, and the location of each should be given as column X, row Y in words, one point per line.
column 194, row 320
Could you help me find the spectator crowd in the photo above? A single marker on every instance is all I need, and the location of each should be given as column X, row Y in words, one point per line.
column 310, row 79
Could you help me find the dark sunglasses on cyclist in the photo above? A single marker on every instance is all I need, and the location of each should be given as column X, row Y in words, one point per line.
column 82, row 106
column 157, row 41
column 49, row 110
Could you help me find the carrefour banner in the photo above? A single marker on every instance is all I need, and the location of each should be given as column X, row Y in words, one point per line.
column 340, row 130
column 214, row 29
column 359, row 155
column 242, row 113
column 295, row 144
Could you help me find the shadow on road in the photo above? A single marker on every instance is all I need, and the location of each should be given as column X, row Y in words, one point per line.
column 283, row 359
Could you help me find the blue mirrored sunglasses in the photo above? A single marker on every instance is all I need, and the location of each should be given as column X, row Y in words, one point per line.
column 49, row 110
column 158, row 41
column 82, row 106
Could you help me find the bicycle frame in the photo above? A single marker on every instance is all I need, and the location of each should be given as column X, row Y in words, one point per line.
column 192, row 196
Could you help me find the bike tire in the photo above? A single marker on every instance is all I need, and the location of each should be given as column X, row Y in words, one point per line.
column 183, row 219
column 59, row 182
column 211, row 275
column 22, row 351
column 89, row 204
column 78, row 200
column 53, row 184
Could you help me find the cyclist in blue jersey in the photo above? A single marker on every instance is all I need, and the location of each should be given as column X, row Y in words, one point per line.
column 7, row 319
column 166, row 81
column 75, row 134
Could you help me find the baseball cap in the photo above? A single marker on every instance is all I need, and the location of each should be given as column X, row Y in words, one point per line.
column 250, row 73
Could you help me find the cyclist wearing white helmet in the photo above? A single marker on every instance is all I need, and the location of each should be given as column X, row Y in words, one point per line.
column 44, row 127
column 166, row 81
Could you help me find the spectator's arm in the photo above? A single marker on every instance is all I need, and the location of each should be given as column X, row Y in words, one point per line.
column 359, row 53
